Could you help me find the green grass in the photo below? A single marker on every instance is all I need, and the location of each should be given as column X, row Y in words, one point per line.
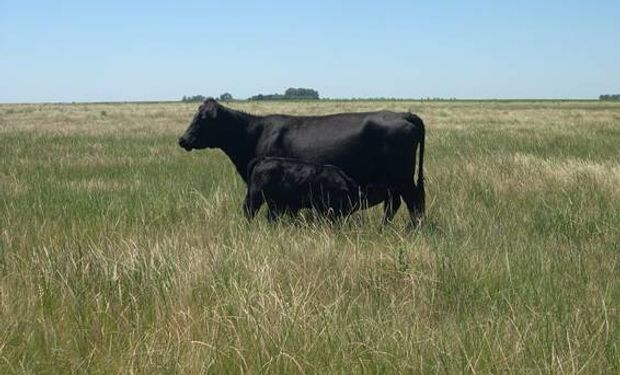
column 119, row 252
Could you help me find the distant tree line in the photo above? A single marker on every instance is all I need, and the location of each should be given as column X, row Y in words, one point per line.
column 290, row 94
column 195, row 98
column 609, row 97
column 201, row 98
column 311, row 94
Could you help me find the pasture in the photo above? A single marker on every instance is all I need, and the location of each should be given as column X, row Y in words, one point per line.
column 122, row 253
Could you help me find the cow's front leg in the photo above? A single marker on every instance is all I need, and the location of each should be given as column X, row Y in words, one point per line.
column 273, row 213
column 277, row 210
column 251, row 204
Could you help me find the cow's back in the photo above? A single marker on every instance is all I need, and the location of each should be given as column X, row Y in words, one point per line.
column 363, row 145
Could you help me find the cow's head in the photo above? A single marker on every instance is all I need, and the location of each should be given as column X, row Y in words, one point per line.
column 205, row 130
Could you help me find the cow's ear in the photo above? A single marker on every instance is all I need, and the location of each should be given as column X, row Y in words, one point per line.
column 212, row 111
column 210, row 108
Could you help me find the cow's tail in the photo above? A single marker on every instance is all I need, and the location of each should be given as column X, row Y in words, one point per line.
column 420, row 193
column 420, row 184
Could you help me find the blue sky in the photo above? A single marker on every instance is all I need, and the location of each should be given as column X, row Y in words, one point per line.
column 150, row 50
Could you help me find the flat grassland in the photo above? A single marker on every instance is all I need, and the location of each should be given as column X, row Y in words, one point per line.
column 122, row 253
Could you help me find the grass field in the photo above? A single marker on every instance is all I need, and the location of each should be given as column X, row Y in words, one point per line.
column 122, row 253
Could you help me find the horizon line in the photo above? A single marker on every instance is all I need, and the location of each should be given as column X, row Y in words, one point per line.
column 423, row 99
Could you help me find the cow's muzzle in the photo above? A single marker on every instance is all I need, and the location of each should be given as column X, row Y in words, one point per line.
column 185, row 144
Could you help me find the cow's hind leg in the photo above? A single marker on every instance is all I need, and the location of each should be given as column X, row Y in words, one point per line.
column 402, row 181
column 390, row 206
column 410, row 195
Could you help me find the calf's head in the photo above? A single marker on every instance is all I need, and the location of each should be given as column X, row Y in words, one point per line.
column 205, row 130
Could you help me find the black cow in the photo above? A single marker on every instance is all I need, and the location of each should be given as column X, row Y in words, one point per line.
column 373, row 148
column 288, row 185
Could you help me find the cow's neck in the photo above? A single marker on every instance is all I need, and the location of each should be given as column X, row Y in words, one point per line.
column 239, row 144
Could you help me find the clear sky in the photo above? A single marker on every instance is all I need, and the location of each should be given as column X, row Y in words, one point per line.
column 150, row 50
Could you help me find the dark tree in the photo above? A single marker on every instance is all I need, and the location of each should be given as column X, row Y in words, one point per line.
column 301, row 93
column 609, row 97
column 226, row 96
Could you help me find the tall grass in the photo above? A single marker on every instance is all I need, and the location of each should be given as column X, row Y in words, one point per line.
column 119, row 252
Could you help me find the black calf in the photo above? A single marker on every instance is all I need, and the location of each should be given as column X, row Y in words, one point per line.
column 288, row 185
